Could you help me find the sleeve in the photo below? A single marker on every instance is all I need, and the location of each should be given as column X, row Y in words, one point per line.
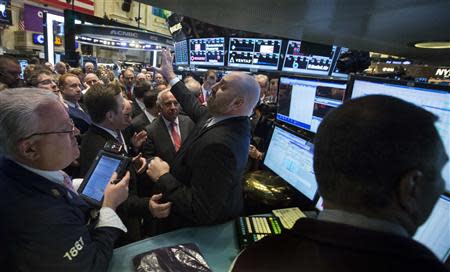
column 210, row 186
column 189, row 102
column 148, row 148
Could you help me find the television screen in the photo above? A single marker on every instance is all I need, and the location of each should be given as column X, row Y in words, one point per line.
column 308, row 58
column 254, row 53
column 435, row 232
column 181, row 53
column 207, row 51
column 5, row 12
column 303, row 102
column 434, row 98
column 291, row 157
column 336, row 72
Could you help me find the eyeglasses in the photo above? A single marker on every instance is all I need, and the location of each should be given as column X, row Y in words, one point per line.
column 71, row 131
column 47, row 82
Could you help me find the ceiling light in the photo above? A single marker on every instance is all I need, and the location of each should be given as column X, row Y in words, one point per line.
column 433, row 45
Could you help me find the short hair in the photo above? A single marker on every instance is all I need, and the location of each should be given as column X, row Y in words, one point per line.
column 363, row 147
column 33, row 79
column 6, row 60
column 159, row 101
column 150, row 99
column 19, row 115
column 210, row 72
column 193, row 86
column 140, row 88
column 264, row 78
column 100, row 99
column 62, row 79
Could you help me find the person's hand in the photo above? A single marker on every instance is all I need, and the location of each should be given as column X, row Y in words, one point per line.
column 156, row 168
column 166, row 68
column 138, row 139
column 159, row 210
column 117, row 193
column 139, row 163
column 254, row 153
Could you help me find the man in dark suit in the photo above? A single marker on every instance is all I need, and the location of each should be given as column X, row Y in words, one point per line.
column 150, row 113
column 106, row 105
column 379, row 177
column 45, row 225
column 70, row 88
column 139, row 91
column 204, row 182
column 169, row 131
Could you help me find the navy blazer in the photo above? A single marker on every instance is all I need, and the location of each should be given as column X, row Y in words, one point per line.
column 81, row 119
column 45, row 226
column 204, row 183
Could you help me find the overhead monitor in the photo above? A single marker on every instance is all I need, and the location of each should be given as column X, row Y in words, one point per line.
column 250, row 53
column 291, row 157
column 433, row 98
column 181, row 53
column 207, row 51
column 308, row 58
column 435, row 232
column 335, row 70
column 303, row 101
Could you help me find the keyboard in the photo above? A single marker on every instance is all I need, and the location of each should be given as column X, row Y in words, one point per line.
column 288, row 216
column 253, row 228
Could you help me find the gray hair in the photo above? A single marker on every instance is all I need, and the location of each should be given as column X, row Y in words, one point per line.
column 193, row 86
column 19, row 117
column 159, row 101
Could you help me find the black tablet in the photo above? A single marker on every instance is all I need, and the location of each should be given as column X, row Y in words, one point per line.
column 98, row 176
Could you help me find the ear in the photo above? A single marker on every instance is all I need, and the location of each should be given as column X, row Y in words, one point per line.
column 237, row 103
column 28, row 150
column 109, row 116
column 407, row 190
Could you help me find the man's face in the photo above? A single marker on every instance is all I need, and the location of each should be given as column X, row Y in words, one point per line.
column 141, row 77
column 11, row 75
column 55, row 151
column 118, row 118
column 126, row 114
column 149, row 76
column 128, row 78
column 223, row 96
column 264, row 85
column 72, row 89
column 210, row 81
column 61, row 69
column 89, row 68
column 91, row 79
column 432, row 185
column 159, row 79
column 47, row 82
column 170, row 107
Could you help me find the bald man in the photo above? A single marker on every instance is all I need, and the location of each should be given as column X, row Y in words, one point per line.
column 204, row 182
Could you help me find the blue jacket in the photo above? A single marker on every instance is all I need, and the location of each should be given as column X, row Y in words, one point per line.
column 44, row 226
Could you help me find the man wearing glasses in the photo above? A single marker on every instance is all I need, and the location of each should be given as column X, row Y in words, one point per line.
column 44, row 79
column 45, row 225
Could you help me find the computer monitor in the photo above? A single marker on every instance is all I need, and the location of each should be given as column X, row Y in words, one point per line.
column 181, row 53
column 291, row 157
column 308, row 58
column 433, row 98
column 303, row 102
column 435, row 232
column 335, row 70
column 207, row 51
column 254, row 53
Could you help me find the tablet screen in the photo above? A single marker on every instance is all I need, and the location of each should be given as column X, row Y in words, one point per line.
column 100, row 177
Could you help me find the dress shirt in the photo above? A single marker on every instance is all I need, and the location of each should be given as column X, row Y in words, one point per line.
column 150, row 117
column 115, row 135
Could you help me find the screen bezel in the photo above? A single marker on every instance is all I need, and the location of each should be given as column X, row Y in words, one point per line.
column 212, row 64
column 94, row 165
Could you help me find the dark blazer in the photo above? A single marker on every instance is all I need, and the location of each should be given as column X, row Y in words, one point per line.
column 139, row 123
column 45, row 227
column 204, row 183
column 159, row 142
column 135, row 109
column 134, row 208
column 81, row 119
column 314, row 245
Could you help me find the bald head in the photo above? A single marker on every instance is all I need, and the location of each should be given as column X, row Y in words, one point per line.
column 236, row 94
column 91, row 79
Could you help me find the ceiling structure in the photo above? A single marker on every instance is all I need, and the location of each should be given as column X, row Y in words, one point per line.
column 384, row 26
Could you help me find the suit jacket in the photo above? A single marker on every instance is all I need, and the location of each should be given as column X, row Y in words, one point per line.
column 204, row 183
column 135, row 109
column 81, row 119
column 139, row 123
column 159, row 143
column 314, row 245
column 45, row 226
column 134, row 208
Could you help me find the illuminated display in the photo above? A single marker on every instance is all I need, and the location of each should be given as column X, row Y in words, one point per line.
column 208, row 52
column 254, row 53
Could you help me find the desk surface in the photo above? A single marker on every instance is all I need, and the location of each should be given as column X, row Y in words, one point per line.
column 218, row 244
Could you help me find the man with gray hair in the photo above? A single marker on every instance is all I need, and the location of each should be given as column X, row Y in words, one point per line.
column 89, row 68
column 204, row 182
column 45, row 225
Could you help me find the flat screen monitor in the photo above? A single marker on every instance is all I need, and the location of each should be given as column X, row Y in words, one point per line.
column 433, row 98
column 254, row 53
column 303, row 102
column 435, row 232
column 335, row 70
column 181, row 53
column 308, row 58
column 207, row 51
column 291, row 157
